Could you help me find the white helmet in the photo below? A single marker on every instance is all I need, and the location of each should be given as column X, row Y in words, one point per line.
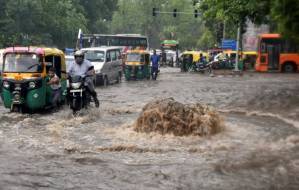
column 79, row 53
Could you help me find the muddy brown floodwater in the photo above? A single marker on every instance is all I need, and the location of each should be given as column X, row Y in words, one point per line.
column 258, row 149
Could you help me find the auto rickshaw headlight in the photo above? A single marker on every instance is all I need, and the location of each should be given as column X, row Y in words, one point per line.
column 6, row 84
column 32, row 85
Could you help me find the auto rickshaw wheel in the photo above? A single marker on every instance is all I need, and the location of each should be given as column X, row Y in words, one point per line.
column 118, row 80
column 17, row 108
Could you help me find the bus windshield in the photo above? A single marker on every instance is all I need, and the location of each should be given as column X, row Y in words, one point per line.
column 135, row 57
column 95, row 55
column 22, row 63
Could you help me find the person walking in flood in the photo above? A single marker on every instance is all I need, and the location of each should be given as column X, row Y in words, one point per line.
column 155, row 65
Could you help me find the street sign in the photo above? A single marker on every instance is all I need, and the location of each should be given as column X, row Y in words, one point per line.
column 229, row 44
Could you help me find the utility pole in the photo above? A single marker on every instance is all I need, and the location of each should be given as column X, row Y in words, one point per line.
column 223, row 34
column 238, row 47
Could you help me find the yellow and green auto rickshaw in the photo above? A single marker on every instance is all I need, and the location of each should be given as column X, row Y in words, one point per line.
column 24, row 77
column 190, row 58
column 137, row 65
column 249, row 59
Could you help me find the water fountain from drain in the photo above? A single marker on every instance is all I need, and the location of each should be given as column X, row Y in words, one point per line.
column 167, row 116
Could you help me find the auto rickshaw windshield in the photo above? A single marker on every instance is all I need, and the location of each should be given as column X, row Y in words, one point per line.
column 135, row 57
column 22, row 63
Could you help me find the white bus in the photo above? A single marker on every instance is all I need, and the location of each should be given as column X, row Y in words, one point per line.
column 125, row 41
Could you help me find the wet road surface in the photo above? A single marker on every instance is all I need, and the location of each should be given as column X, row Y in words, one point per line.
column 259, row 148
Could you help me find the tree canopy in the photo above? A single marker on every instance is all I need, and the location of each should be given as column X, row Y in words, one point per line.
column 282, row 14
column 56, row 23
column 52, row 23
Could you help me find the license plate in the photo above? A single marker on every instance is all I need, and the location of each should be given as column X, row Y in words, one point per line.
column 73, row 91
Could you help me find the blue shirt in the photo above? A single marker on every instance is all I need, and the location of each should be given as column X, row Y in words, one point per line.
column 155, row 60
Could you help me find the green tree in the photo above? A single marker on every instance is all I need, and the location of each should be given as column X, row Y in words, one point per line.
column 286, row 14
column 99, row 14
column 135, row 16
column 40, row 22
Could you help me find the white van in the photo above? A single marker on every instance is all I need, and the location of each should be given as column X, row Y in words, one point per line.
column 69, row 59
column 107, row 64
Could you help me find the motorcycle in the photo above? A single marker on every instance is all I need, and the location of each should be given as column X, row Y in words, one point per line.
column 79, row 96
column 203, row 67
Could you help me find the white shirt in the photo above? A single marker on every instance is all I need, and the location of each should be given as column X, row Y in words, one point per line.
column 55, row 86
column 79, row 70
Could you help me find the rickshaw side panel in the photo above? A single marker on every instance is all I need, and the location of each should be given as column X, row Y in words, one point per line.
column 6, row 98
column 36, row 99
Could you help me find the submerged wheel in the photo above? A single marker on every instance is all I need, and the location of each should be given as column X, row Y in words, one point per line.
column 289, row 68
column 105, row 81
column 118, row 80
column 17, row 108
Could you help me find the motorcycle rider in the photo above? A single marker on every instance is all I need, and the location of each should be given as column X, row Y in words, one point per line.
column 84, row 68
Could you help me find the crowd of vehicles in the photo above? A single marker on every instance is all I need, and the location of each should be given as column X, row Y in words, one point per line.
column 24, row 73
column 225, row 59
column 24, row 69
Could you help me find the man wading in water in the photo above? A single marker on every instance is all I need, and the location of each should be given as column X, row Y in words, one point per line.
column 155, row 65
column 55, row 85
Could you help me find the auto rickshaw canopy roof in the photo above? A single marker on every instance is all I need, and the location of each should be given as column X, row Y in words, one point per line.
column 196, row 54
column 138, row 51
column 36, row 50
column 249, row 52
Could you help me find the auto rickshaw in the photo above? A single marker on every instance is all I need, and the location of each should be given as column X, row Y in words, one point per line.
column 190, row 58
column 1, row 63
column 25, row 78
column 249, row 59
column 137, row 65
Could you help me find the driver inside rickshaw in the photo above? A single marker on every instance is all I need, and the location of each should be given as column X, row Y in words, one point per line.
column 22, row 63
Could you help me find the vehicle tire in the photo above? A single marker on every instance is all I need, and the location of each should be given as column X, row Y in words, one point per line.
column 76, row 105
column 118, row 80
column 289, row 68
column 105, row 81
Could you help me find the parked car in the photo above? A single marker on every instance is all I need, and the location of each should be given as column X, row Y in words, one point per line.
column 107, row 62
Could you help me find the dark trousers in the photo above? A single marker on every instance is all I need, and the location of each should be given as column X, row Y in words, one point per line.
column 90, row 88
column 56, row 97
column 154, row 72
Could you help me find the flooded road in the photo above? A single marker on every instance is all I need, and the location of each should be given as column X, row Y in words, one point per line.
column 259, row 148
